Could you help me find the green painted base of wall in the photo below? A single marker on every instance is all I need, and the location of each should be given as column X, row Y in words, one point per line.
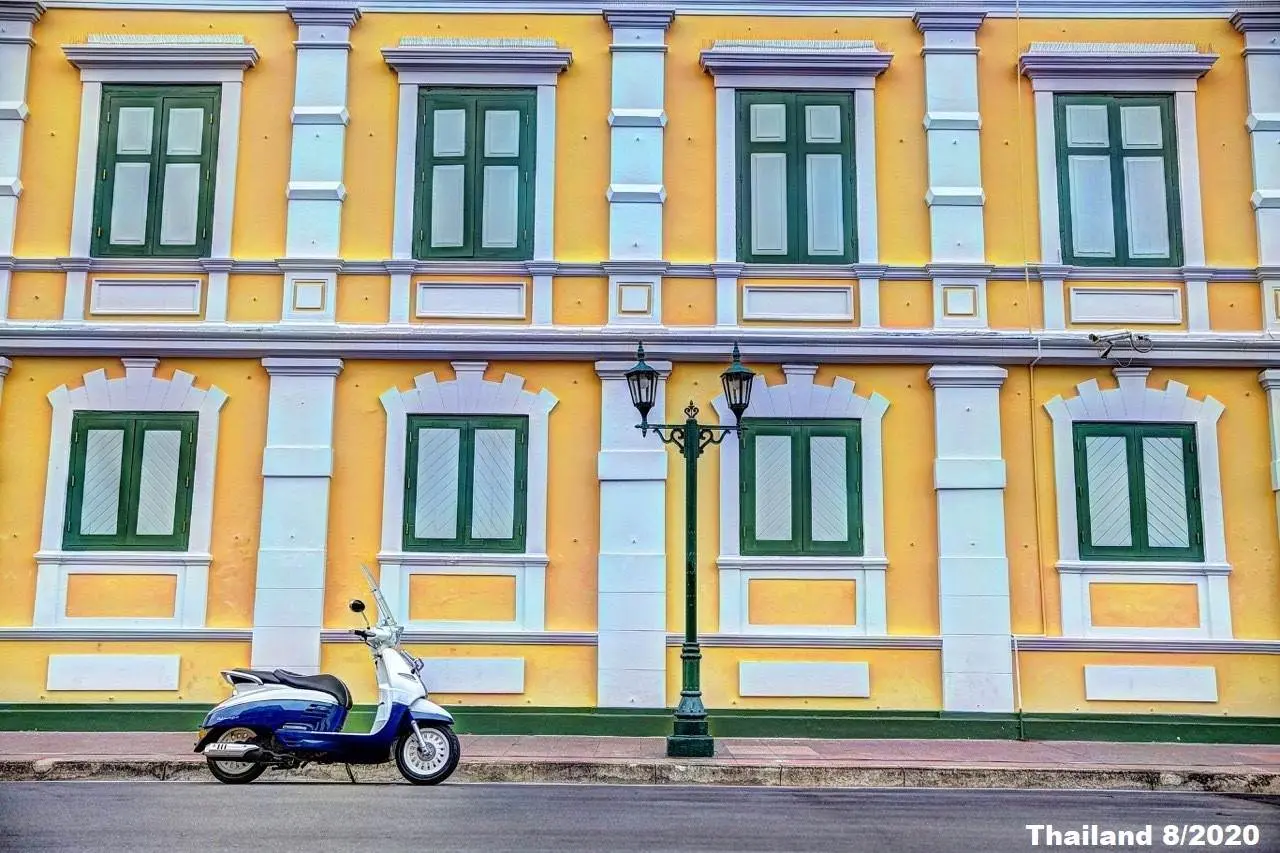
column 724, row 723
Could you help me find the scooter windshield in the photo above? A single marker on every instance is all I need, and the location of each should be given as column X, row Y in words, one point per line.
column 384, row 611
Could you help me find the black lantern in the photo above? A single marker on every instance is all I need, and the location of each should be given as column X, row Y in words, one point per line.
column 737, row 381
column 642, row 382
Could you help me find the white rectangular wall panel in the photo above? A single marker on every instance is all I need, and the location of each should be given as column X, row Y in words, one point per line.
column 1151, row 683
column 797, row 303
column 804, row 679
column 113, row 672
column 501, row 301
column 474, row 675
column 1146, row 305
column 120, row 296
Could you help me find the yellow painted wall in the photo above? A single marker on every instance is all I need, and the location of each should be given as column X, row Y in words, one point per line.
column 133, row 596
column 52, row 133
column 25, row 419
column 901, row 679
column 582, row 136
column 364, row 299
column 1235, row 307
column 906, row 304
column 784, row 601
column 1008, row 130
column 563, row 676
column 1144, row 605
column 256, row 298
column 573, row 514
column 910, row 521
column 1248, row 502
column 689, row 301
column 580, row 301
column 1015, row 304
column 1054, row 682
column 26, row 670
column 36, row 295
column 464, row 598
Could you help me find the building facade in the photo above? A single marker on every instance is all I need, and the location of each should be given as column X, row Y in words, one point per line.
column 288, row 287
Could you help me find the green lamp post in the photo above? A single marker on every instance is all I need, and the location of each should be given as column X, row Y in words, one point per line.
column 690, row 737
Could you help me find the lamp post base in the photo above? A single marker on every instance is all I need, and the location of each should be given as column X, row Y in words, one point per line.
column 690, row 746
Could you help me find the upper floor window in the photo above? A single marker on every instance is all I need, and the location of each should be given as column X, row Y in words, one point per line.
column 801, row 487
column 157, row 150
column 795, row 177
column 474, row 194
column 130, row 484
column 1138, row 492
column 466, row 480
column 1118, row 180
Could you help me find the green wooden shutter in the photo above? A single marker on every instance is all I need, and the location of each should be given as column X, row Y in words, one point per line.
column 466, row 483
column 476, row 155
column 1118, row 180
column 795, row 177
column 156, row 159
column 1137, row 492
column 130, row 484
column 801, row 487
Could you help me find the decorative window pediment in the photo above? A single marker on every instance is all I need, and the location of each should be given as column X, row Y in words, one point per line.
column 184, row 53
column 478, row 56
column 1047, row 62
column 801, row 57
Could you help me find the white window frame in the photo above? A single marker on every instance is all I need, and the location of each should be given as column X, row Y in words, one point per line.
column 850, row 66
column 1133, row 402
column 1147, row 68
column 519, row 63
column 139, row 390
column 799, row 397
column 469, row 393
column 165, row 60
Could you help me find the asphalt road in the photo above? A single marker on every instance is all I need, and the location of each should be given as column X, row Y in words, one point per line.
column 177, row 817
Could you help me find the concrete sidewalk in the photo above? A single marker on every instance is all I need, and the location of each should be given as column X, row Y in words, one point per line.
column 738, row 761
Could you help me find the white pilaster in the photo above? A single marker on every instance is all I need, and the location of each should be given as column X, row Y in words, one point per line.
column 632, row 626
column 17, row 22
column 955, row 196
column 1270, row 380
column 316, row 191
column 636, row 191
column 973, row 570
column 1262, row 66
column 297, row 465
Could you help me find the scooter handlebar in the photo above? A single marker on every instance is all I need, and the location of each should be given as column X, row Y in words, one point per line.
column 361, row 633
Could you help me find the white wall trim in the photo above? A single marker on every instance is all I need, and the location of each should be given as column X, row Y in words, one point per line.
column 839, row 679
column 177, row 59
column 1151, row 684
column 1134, row 67
column 1121, row 305
column 55, row 568
column 869, row 617
column 112, row 672
column 1132, row 401
column 138, row 391
column 833, row 65
column 470, row 675
column 17, row 22
column 110, row 296
column 529, row 571
column 799, row 397
column 469, row 393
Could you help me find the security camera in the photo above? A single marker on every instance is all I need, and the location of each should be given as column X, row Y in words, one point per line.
column 1108, row 340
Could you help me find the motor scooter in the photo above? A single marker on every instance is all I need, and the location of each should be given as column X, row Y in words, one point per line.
column 279, row 719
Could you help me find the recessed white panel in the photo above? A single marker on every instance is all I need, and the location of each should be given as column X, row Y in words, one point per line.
column 804, row 678
column 186, row 131
column 498, row 301
column 113, row 672
column 1140, row 127
column 822, row 123
column 1151, row 683
column 1087, row 126
column 180, row 212
column 824, row 197
column 135, row 132
column 1126, row 305
column 502, row 133
column 447, row 188
column 129, row 204
column 501, row 224
column 768, row 123
column 449, row 136
column 797, row 303
column 145, row 296
column 769, row 204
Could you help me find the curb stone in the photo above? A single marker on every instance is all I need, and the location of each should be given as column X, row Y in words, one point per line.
column 675, row 773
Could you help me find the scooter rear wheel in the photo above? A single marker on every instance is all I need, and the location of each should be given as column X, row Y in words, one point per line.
column 433, row 765
column 236, row 772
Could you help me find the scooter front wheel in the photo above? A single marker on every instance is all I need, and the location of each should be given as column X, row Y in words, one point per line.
column 435, row 763
column 236, row 772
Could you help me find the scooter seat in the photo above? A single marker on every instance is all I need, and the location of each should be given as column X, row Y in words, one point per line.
column 330, row 684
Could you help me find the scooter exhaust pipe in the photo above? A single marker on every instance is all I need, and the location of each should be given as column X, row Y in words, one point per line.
column 234, row 751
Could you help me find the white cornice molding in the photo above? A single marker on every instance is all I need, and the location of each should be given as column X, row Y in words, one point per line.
column 21, row 10
column 949, row 19
column 639, row 16
column 302, row 366
column 107, row 52
column 802, row 57
column 324, row 13
column 5, row 366
column 1257, row 17
column 1109, row 60
column 526, row 56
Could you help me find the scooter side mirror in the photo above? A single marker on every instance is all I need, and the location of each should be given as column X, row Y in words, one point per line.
column 356, row 605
